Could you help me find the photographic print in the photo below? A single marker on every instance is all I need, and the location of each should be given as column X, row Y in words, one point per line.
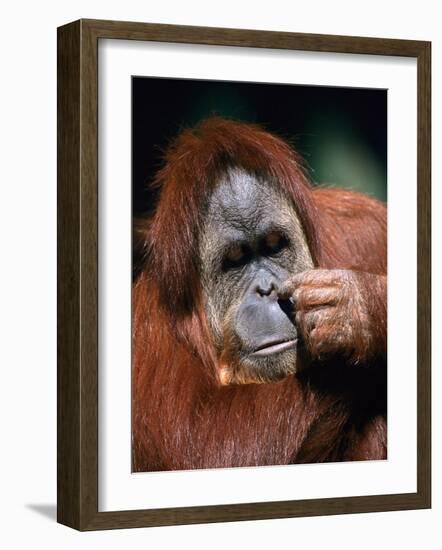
column 259, row 299
column 222, row 275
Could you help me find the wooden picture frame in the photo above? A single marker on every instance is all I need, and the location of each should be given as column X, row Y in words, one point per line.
column 77, row 433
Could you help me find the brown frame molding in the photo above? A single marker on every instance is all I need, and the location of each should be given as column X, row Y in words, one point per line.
column 77, row 408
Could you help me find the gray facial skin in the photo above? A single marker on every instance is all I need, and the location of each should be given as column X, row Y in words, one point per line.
column 252, row 242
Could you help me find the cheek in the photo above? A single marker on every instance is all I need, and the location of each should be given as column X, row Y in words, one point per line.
column 218, row 307
column 221, row 301
column 295, row 261
column 302, row 259
column 213, row 320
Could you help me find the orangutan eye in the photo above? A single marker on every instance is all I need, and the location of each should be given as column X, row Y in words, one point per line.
column 274, row 242
column 236, row 256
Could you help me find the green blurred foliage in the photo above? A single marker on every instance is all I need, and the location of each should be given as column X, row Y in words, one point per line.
column 337, row 153
column 340, row 132
column 340, row 157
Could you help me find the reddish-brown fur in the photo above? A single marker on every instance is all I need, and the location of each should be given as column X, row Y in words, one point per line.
column 182, row 417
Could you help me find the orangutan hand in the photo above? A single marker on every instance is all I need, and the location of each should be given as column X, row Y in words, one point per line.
column 339, row 313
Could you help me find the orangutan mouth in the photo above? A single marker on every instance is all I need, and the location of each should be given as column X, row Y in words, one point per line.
column 275, row 346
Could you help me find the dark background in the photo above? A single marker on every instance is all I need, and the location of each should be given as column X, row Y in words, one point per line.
column 341, row 132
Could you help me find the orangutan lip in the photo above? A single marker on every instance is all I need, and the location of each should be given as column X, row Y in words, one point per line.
column 275, row 347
